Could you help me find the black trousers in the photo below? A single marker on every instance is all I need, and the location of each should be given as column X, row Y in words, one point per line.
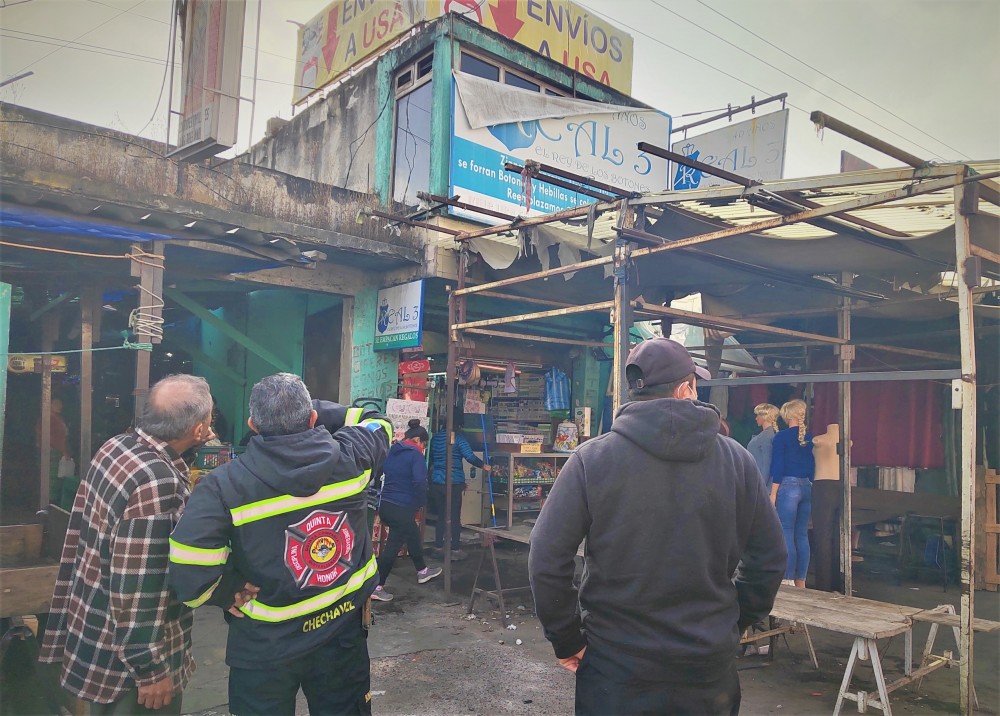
column 827, row 500
column 609, row 682
column 403, row 529
column 436, row 498
column 335, row 678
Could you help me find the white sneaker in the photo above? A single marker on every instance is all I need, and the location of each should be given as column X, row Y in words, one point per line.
column 788, row 582
column 427, row 574
column 380, row 595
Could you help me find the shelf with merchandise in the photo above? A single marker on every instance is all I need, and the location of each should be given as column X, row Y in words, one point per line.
column 534, row 474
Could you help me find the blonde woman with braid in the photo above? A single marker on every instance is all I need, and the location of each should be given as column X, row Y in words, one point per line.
column 792, row 469
column 759, row 446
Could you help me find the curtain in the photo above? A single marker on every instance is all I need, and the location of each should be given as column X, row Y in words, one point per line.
column 893, row 424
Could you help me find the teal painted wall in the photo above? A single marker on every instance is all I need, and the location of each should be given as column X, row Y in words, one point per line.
column 373, row 373
column 275, row 319
column 4, row 347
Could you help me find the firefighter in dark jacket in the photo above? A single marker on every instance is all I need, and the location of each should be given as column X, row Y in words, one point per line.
column 290, row 516
column 683, row 551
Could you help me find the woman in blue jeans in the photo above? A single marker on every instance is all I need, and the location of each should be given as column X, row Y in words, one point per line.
column 792, row 471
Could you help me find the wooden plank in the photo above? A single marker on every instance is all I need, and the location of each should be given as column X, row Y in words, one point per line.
column 26, row 590
column 21, row 542
column 952, row 620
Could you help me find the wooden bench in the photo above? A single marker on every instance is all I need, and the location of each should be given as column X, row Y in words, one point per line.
column 868, row 621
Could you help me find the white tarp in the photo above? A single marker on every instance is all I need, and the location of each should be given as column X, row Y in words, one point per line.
column 489, row 103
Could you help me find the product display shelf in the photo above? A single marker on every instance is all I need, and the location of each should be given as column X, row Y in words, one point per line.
column 521, row 483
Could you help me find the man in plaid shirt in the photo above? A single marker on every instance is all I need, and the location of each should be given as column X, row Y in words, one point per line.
column 122, row 638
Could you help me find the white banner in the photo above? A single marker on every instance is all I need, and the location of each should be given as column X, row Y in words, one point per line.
column 599, row 146
column 754, row 149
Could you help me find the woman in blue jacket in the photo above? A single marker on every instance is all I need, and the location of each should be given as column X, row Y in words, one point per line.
column 793, row 469
column 438, row 499
column 404, row 491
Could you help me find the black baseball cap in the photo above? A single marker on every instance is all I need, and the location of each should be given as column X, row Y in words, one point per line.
column 660, row 361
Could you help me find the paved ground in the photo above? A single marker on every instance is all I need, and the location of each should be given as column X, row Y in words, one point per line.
column 429, row 659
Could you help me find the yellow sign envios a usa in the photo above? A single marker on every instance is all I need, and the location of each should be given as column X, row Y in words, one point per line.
column 347, row 32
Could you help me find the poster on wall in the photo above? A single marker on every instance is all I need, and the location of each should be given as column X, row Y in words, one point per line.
column 400, row 316
column 601, row 145
column 754, row 149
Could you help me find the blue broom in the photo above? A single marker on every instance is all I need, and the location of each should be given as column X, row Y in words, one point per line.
column 489, row 473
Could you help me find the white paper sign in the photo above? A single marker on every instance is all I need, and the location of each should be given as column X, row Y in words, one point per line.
column 401, row 412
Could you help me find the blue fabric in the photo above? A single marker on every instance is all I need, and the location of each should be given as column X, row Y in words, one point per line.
column 556, row 390
column 760, row 447
column 794, row 506
column 788, row 458
column 439, row 454
column 405, row 476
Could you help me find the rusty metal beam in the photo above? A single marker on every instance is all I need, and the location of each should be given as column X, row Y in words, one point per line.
column 701, row 319
column 555, row 181
column 539, row 339
column 410, row 222
column 586, row 308
column 536, row 220
column 695, row 164
column 734, row 110
column 462, row 205
column 825, row 121
column 599, row 185
column 860, row 202
column 982, row 253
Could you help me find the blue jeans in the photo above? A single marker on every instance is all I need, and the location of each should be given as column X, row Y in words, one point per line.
column 794, row 506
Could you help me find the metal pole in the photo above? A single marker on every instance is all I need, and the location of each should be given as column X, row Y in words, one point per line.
column 50, row 329
column 827, row 122
column 967, row 383
column 253, row 94
column 845, row 359
column 89, row 305
column 450, row 377
column 456, row 312
column 622, row 309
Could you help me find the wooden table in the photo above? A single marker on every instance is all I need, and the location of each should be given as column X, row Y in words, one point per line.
column 868, row 621
column 516, row 533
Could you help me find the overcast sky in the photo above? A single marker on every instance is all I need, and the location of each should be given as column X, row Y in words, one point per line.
column 921, row 74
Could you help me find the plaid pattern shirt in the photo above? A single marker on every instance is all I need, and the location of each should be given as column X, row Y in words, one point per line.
column 114, row 624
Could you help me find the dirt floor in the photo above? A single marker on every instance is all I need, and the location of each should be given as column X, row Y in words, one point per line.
column 429, row 657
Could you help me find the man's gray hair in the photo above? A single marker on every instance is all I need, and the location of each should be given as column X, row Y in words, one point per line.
column 175, row 404
column 280, row 405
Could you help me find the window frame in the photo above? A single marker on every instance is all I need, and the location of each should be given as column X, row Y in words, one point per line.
column 424, row 61
column 544, row 87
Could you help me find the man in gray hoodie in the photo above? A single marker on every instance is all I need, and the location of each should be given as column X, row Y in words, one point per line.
column 683, row 551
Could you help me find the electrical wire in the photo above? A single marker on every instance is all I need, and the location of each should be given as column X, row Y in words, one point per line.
column 164, row 22
column 112, row 52
column 832, row 79
column 694, row 58
column 82, row 34
column 171, row 39
column 801, row 82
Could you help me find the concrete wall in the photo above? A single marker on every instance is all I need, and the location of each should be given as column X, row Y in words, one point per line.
column 331, row 141
column 72, row 157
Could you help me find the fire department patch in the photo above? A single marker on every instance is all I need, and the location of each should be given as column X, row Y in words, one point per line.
column 318, row 549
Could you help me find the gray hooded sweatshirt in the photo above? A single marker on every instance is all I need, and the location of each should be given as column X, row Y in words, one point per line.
column 683, row 547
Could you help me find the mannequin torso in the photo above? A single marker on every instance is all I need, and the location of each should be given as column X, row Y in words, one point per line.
column 825, row 454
